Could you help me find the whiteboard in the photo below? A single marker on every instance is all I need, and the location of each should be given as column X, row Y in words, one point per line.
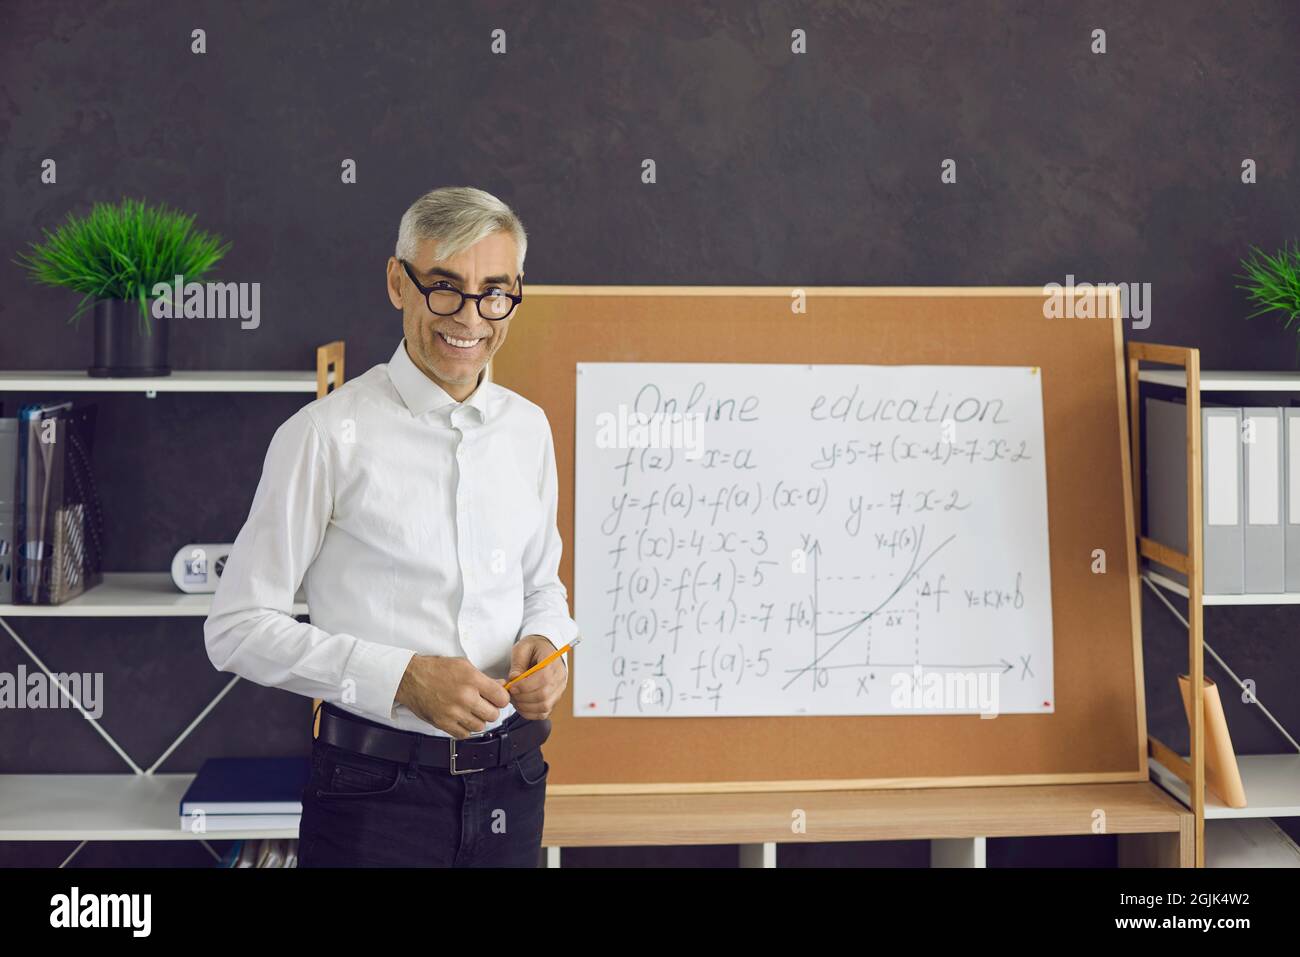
column 767, row 539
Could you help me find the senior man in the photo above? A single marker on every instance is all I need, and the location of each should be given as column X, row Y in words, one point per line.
column 416, row 505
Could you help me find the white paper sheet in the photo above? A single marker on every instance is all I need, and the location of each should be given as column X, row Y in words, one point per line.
column 794, row 539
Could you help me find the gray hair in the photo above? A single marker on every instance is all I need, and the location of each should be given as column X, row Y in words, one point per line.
column 457, row 217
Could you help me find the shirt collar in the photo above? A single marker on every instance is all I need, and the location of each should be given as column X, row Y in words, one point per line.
column 421, row 394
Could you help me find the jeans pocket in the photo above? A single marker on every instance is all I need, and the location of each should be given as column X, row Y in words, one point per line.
column 345, row 774
column 532, row 767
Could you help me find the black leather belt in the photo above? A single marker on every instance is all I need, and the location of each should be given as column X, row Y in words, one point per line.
column 499, row 746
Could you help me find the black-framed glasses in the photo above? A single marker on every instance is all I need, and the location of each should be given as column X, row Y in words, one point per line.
column 447, row 300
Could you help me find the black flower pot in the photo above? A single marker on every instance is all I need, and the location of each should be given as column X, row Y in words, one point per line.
column 126, row 346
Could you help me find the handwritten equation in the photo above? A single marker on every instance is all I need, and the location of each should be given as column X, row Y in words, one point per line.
column 810, row 540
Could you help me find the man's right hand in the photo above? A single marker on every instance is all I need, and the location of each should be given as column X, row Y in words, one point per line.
column 451, row 694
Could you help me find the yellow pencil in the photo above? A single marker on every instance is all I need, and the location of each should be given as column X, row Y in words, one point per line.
column 543, row 663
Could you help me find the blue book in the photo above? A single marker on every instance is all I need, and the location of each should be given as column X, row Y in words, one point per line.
column 247, row 786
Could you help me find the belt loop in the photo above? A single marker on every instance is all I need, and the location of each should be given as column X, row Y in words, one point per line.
column 503, row 750
column 413, row 766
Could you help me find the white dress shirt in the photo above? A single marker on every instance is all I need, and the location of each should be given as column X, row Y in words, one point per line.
column 416, row 524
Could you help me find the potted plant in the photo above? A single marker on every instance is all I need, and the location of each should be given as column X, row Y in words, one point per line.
column 1273, row 284
column 114, row 256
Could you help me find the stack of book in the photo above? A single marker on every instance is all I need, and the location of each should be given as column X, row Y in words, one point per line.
column 1250, row 508
column 245, row 794
column 51, row 526
column 262, row 853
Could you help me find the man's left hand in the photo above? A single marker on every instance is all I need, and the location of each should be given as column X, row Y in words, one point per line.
column 536, row 695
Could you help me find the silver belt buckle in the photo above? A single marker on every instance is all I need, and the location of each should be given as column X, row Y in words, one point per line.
column 453, row 757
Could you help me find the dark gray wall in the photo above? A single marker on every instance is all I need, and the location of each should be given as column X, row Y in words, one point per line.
column 772, row 169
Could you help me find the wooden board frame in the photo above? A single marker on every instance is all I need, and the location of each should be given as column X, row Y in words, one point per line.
column 1107, row 737
column 1191, row 771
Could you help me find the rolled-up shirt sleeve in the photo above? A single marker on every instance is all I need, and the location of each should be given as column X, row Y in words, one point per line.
column 251, row 629
column 546, row 602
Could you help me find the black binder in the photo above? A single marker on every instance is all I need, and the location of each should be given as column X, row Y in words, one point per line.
column 58, row 523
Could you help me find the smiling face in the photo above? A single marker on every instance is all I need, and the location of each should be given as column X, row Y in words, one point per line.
column 453, row 350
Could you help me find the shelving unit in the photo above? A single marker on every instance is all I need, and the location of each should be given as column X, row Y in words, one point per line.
column 129, row 595
column 239, row 381
column 1168, row 584
column 141, row 805
column 1222, row 380
column 103, row 807
column 1271, row 781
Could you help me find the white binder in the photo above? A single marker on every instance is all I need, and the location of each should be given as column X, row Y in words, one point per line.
column 1264, row 535
column 1222, row 502
column 1291, row 489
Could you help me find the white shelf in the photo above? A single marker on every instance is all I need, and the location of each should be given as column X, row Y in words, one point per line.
column 204, row 381
column 1272, row 783
column 1253, row 843
column 103, row 807
column 1281, row 598
column 129, row 595
column 1226, row 380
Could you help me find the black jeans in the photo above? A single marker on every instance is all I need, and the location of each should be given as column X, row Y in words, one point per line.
column 361, row 811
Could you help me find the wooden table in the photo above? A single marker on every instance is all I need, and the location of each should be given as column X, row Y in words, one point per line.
column 1155, row 830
